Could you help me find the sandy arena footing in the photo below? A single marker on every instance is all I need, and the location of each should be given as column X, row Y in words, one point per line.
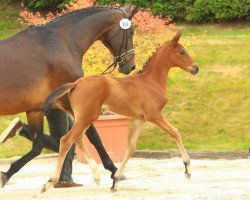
column 147, row 179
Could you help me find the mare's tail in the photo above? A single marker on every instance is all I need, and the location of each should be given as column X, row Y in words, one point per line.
column 55, row 95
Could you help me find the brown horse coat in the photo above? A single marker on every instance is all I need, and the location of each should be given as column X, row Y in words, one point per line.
column 140, row 97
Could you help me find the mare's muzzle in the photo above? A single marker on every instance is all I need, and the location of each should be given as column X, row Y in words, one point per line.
column 126, row 62
column 127, row 67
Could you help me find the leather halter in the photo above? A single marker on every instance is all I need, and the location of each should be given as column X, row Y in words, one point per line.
column 120, row 58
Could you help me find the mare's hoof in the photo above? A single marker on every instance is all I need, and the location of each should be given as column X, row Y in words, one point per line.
column 113, row 189
column 115, row 185
column 188, row 175
column 3, row 179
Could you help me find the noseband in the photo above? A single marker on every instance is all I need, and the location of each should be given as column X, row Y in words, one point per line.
column 120, row 58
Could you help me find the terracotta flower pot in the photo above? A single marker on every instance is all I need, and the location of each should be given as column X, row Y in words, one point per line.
column 113, row 131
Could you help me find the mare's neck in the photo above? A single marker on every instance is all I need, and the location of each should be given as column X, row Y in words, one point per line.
column 157, row 68
column 82, row 30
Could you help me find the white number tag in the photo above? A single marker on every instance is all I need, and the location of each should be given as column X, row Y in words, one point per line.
column 125, row 23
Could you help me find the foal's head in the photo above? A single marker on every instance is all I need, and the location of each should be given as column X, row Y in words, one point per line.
column 178, row 56
column 119, row 40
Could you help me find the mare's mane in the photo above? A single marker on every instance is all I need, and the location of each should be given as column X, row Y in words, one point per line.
column 83, row 12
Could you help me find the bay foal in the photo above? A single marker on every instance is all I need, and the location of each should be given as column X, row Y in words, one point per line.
column 140, row 97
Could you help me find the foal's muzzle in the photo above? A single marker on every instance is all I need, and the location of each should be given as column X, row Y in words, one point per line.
column 194, row 69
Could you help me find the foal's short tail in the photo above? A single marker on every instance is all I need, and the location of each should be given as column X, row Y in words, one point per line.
column 55, row 95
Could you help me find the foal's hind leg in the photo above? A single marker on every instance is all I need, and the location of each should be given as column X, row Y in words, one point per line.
column 161, row 122
column 92, row 163
column 65, row 144
column 136, row 128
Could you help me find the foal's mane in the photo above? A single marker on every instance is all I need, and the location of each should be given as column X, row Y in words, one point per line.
column 144, row 67
column 83, row 11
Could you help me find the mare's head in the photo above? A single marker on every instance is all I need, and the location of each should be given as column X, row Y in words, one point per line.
column 119, row 40
column 178, row 56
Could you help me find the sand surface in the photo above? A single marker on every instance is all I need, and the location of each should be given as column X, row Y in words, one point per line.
column 147, row 179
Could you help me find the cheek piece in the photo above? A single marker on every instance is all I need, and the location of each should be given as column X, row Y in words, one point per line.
column 124, row 24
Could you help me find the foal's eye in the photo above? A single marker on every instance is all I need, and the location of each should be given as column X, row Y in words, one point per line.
column 182, row 52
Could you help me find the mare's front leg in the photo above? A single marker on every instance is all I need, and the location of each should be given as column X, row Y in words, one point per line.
column 135, row 130
column 94, row 138
column 161, row 122
column 35, row 121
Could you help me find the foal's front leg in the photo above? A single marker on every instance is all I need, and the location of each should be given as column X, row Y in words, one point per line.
column 136, row 128
column 161, row 122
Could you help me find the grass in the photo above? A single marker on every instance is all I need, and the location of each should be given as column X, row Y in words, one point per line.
column 210, row 110
column 8, row 19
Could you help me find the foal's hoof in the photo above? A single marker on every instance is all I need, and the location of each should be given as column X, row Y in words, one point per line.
column 43, row 189
column 96, row 176
column 97, row 181
column 46, row 186
column 188, row 175
column 122, row 177
column 3, row 179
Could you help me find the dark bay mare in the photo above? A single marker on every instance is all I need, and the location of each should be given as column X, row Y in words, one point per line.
column 38, row 59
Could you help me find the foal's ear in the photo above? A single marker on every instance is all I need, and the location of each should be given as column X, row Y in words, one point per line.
column 130, row 12
column 176, row 38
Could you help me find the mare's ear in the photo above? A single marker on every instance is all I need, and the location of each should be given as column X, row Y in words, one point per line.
column 130, row 12
column 133, row 12
column 176, row 38
column 127, row 7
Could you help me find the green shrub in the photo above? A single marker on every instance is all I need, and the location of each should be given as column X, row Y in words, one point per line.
column 175, row 9
column 45, row 5
column 230, row 10
column 200, row 11
column 218, row 10
column 178, row 10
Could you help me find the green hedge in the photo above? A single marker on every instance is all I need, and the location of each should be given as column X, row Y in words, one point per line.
column 194, row 10
column 45, row 5
column 218, row 10
column 178, row 10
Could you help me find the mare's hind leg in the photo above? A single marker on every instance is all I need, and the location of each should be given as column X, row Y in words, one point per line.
column 92, row 163
column 161, row 122
column 65, row 144
column 35, row 120
column 135, row 130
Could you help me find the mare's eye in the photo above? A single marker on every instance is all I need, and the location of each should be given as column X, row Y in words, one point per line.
column 131, row 34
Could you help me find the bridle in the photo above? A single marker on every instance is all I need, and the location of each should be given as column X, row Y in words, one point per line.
column 120, row 58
